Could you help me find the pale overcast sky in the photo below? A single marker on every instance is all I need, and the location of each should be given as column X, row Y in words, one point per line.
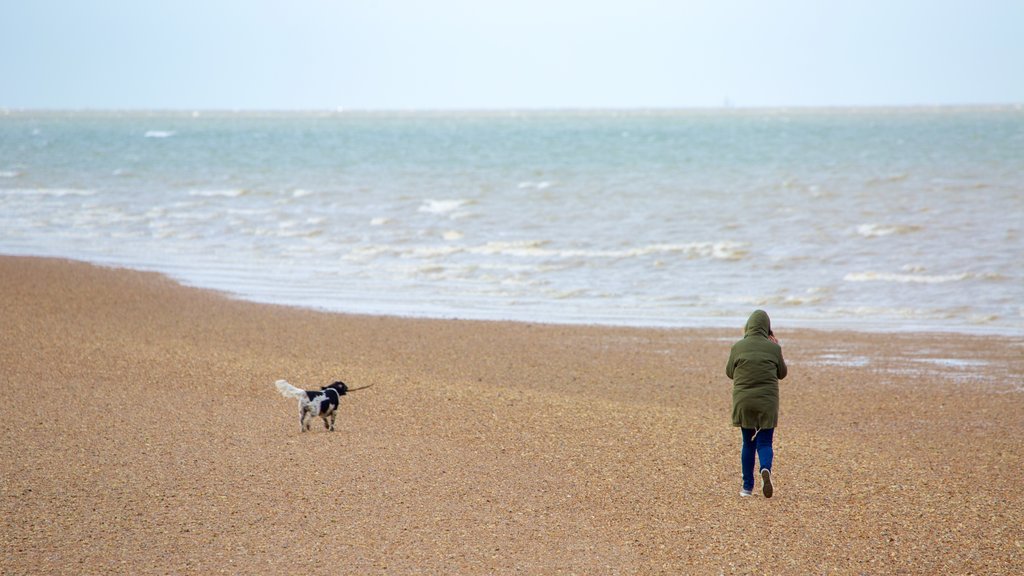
column 459, row 54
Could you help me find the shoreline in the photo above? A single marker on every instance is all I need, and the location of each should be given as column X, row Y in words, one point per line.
column 142, row 434
column 856, row 326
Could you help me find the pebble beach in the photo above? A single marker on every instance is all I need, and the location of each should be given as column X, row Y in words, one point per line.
column 142, row 434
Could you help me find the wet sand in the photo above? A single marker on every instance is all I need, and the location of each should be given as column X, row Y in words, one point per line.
column 142, row 434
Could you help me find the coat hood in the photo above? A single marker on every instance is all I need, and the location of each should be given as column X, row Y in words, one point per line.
column 758, row 324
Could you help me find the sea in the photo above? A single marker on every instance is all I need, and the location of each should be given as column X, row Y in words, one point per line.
column 870, row 219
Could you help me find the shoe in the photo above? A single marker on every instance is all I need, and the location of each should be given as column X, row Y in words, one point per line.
column 746, row 492
column 766, row 482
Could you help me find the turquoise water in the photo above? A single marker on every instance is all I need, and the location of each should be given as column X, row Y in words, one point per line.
column 872, row 219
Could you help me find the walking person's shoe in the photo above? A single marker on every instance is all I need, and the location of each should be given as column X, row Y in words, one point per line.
column 766, row 482
column 744, row 492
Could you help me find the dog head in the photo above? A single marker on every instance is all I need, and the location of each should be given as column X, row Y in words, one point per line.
column 340, row 387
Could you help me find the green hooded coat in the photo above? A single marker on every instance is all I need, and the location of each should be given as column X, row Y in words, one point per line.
column 755, row 367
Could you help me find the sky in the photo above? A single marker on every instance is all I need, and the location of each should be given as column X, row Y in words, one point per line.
column 499, row 54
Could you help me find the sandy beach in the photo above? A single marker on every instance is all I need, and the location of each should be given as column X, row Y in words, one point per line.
column 142, row 434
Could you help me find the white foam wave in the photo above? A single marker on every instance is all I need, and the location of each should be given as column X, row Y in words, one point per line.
column 543, row 185
column 811, row 296
column 229, row 193
column 159, row 133
column 57, row 192
column 878, row 230
column 904, row 278
column 300, row 193
column 905, row 312
column 515, row 248
column 442, row 207
column 715, row 250
column 379, row 221
column 542, row 249
column 718, row 250
column 368, row 253
column 431, row 251
column 9, row 173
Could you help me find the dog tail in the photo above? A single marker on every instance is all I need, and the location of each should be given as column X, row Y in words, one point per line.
column 289, row 391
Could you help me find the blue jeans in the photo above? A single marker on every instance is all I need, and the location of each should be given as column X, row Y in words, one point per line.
column 762, row 445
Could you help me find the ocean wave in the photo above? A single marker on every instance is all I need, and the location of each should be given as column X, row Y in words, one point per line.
column 542, row 185
column 442, row 207
column 714, row 250
column 542, row 249
column 812, row 296
column 291, row 232
column 899, row 177
column 901, row 312
column 309, row 228
column 957, row 184
column 159, row 133
column 537, row 248
column 513, row 248
column 371, row 252
column 919, row 269
column 9, row 173
column 429, row 251
column 57, row 192
column 226, row 193
column 904, row 278
column 878, row 230
column 430, row 270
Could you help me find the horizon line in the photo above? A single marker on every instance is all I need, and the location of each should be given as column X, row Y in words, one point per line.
column 6, row 110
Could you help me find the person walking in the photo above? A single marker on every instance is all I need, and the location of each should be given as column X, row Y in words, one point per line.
column 755, row 367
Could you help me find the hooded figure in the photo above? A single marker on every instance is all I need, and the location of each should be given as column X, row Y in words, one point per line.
column 755, row 367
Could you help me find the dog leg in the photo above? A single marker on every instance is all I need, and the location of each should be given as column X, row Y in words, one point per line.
column 333, row 416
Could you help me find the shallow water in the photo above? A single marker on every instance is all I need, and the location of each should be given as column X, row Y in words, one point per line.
column 906, row 219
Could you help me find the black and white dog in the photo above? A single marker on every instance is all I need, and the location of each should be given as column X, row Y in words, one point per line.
column 312, row 403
